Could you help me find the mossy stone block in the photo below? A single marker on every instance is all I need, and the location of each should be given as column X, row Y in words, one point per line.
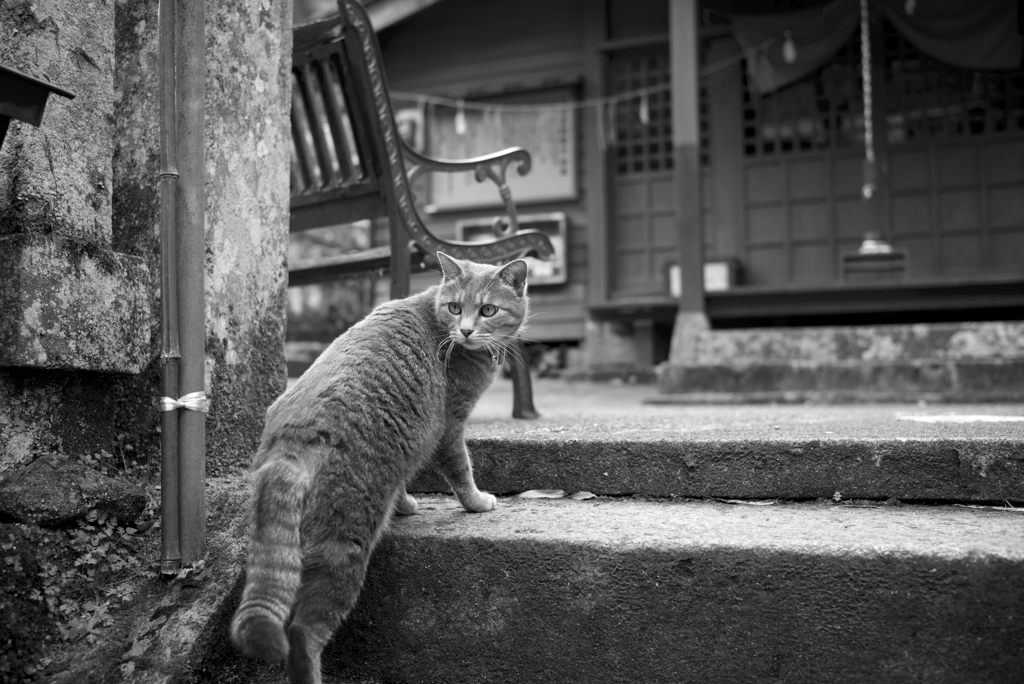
column 73, row 306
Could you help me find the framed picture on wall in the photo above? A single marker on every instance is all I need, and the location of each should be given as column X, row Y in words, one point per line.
column 551, row 271
column 543, row 122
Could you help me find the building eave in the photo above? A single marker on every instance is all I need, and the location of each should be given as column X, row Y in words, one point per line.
column 385, row 13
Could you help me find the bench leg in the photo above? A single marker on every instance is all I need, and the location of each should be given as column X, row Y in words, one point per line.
column 522, row 387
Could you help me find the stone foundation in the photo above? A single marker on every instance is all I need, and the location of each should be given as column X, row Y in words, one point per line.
column 930, row 362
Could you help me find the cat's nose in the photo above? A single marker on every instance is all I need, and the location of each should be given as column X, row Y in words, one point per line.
column 467, row 331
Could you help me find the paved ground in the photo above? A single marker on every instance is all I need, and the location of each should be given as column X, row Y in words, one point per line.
column 600, row 410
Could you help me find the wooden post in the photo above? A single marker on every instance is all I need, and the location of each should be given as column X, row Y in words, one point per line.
column 595, row 157
column 684, row 43
column 725, row 148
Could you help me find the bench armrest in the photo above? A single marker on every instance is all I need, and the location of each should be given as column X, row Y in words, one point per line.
column 492, row 167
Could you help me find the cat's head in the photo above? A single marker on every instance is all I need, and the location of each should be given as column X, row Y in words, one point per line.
column 481, row 306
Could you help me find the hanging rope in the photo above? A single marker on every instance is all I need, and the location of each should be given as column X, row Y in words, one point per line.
column 597, row 102
column 867, row 191
column 606, row 106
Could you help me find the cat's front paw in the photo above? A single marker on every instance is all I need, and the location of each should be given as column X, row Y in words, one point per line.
column 406, row 505
column 480, row 502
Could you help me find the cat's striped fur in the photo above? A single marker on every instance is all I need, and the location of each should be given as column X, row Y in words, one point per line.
column 387, row 397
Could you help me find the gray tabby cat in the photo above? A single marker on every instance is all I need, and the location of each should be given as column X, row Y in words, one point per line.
column 387, row 397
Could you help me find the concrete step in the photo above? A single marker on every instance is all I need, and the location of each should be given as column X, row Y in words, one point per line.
column 606, row 441
column 614, row 590
column 951, row 362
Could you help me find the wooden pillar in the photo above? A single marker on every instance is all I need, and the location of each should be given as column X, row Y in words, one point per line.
column 725, row 148
column 595, row 156
column 684, row 49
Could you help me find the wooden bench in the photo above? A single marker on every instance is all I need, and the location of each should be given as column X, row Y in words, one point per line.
column 349, row 163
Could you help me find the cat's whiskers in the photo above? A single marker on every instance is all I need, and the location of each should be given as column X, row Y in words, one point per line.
column 494, row 348
column 527, row 339
column 440, row 346
column 508, row 348
column 448, row 356
column 448, row 342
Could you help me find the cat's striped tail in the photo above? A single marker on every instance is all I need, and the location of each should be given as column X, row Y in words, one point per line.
column 274, row 566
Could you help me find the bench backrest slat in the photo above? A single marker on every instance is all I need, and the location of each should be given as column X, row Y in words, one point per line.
column 350, row 156
column 330, row 150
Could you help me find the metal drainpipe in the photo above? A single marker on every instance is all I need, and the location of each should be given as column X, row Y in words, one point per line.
column 191, row 207
column 182, row 220
column 170, row 555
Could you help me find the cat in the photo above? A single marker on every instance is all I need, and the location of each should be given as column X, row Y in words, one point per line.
column 386, row 398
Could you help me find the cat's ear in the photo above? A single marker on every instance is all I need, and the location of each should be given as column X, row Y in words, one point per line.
column 514, row 274
column 450, row 267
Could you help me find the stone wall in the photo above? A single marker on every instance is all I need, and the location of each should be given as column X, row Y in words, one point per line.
column 80, row 286
column 56, row 179
column 79, row 228
column 77, row 321
column 248, row 138
column 933, row 362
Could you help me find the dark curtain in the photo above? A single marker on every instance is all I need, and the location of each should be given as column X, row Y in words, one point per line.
column 971, row 34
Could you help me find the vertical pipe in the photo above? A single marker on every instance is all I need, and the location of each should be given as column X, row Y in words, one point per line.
column 191, row 70
column 170, row 555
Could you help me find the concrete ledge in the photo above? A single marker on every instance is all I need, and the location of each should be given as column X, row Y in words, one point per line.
column 940, row 470
column 790, row 452
column 71, row 306
column 700, row 398
column 625, row 591
column 992, row 380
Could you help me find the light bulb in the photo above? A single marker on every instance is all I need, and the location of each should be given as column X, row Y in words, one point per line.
column 788, row 48
column 460, row 118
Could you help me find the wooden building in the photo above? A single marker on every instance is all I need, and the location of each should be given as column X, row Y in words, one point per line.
column 709, row 157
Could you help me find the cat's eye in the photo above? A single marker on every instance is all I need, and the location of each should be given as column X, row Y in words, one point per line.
column 488, row 310
column 454, row 308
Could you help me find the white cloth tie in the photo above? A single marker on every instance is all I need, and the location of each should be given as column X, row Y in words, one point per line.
column 196, row 401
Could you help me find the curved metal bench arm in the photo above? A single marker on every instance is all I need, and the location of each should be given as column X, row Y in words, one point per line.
column 493, row 167
column 512, row 246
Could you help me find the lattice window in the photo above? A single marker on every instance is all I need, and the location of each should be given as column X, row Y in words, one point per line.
column 820, row 112
column 924, row 100
column 927, row 99
column 645, row 147
column 642, row 147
